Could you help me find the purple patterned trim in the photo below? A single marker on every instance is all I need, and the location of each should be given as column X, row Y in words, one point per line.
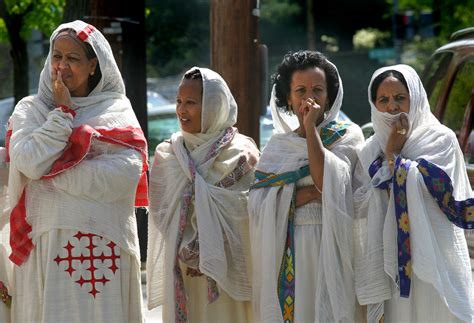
column 374, row 168
column 244, row 165
column 460, row 213
column 403, row 225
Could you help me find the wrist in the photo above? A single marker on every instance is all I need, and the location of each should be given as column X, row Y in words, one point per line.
column 64, row 108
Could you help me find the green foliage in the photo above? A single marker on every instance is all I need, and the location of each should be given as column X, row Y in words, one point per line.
column 44, row 15
column 177, row 36
column 415, row 5
column 369, row 38
column 274, row 11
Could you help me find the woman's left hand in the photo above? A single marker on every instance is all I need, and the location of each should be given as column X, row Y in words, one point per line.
column 312, row 112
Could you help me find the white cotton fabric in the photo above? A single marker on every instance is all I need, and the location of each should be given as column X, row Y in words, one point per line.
column 324, row 290
column 97, row 195
column 63, row 299
column 439, row 250
column 219, row 214
column 6, row 266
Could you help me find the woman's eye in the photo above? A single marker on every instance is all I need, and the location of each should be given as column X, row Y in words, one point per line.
column 300, row 90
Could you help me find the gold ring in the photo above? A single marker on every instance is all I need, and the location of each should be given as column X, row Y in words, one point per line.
column 402, row 131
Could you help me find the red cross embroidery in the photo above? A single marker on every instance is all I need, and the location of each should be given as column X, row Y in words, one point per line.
column 82, row 258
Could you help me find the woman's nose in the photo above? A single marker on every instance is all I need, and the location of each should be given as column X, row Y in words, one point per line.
column 62, row 64
column 392, row 106
column 179, row 108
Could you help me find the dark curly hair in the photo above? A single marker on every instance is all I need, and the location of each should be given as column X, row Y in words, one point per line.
column 298, row 61
column 193, row 74
column 379, row 79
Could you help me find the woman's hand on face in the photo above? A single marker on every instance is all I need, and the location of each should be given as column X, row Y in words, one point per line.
column 61, row 94
column 398, row 136
column 311, row 112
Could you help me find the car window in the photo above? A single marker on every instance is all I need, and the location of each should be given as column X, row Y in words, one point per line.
column 459, row 96
column 433, row 76
column 160, row 127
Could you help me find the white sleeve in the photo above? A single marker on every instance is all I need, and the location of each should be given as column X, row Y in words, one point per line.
column 36, row 145
column 106, row 177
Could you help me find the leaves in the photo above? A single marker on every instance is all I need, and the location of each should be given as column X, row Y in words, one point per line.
column 44, row 15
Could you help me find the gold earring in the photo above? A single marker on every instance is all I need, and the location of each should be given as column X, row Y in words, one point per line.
column 92, row 73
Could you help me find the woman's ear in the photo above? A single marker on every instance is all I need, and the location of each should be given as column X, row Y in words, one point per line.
column 92, row 65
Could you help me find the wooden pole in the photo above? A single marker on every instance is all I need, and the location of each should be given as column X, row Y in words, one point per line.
column 234, row 55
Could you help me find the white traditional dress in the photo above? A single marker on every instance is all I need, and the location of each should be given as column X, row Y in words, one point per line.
column 5, row 264
column 198, row 263
column 72, row 189
column 412, row 262
column 302, row 258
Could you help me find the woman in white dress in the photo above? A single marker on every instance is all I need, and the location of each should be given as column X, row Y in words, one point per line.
column 77, row 172
column 198, row 263
column 301, row 204
column 413, row 200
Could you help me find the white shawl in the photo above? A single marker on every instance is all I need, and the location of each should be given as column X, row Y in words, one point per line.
column 220, row 214
column 438, row 248
column 97, row 195
column 269, row 208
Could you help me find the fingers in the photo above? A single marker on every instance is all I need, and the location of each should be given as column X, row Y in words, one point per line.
column 59, row 78
column 404, row 121
column 307, row 105
column 54, row 75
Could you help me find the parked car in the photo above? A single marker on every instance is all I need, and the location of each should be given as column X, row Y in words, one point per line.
column 449, row 82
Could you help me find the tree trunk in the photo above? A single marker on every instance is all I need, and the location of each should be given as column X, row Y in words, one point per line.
column 75, row 10
column 234, row 55
column 310, row 27
column 18, row 52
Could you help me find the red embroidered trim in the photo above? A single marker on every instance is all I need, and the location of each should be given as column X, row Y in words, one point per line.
column 67, row 109
column 19, row 233
column 84, row 34
column 79, row 145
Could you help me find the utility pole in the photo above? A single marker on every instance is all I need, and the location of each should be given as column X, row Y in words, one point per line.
column 123, row 24
column 235, row 54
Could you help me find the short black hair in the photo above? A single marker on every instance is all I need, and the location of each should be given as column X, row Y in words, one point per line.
column 379, row 79
column 298, row 61
column 193, row 74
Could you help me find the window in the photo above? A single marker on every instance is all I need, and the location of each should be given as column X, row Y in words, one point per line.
column 433, row 76
column 459, row 96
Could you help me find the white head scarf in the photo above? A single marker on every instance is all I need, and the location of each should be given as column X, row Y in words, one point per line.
column 419, row 113
column 284, row 122
column 219, row 109
column 111, row 80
